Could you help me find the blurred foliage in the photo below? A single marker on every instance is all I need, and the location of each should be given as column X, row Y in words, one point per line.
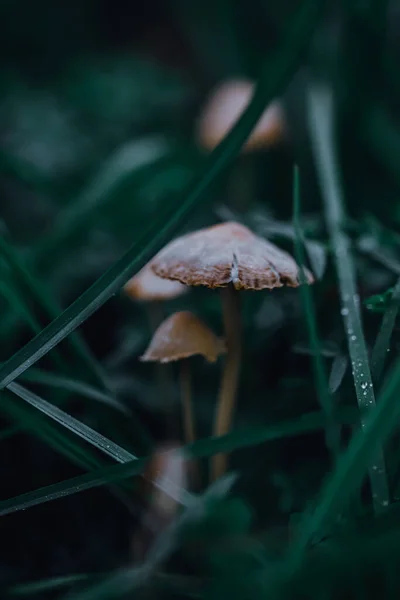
column 98, row 120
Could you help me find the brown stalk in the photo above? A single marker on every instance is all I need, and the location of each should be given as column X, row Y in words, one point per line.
column 230, row 377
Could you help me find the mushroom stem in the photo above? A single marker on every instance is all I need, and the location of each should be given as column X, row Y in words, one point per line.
column 187, row 407
column 230, row 376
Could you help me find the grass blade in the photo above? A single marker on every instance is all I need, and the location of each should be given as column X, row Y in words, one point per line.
column 74, row 386
column 351, row 467
column 321, row 380
column 67, row 487
column 88, row 434
column 68, row 447
column 84, row 431
column 40, row 427
column 203, row 448
column 382, row 342
column 320, row 108
column 274, row 76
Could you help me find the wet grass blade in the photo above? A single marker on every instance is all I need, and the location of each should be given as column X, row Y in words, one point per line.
column 320, row 106
column 275, row 74
column 88, row 434
column 320, row 376
column 382, row 343
column 203, row 448
column 351, row 467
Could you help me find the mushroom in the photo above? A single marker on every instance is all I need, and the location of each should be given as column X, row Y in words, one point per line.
column 231, row 257
column 223, row 109
column 147, row 288
column 181, row 336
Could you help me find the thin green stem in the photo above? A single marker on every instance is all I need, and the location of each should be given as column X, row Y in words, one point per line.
column 321, row 128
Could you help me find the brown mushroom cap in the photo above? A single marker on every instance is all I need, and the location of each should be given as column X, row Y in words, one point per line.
column 146, row 286
column 223, row 109
column 224, row 254
column 182, row 335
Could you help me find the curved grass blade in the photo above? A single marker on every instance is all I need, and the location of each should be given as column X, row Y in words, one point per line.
column 275, row 74
column 320, row 107
column 84, row 431
column 310, row 423
column 382, row 343
column 76, row 387
column 321, row 380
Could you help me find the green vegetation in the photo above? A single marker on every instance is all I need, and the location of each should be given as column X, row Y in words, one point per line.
column 100, row 166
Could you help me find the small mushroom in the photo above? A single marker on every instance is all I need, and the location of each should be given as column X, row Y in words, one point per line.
column 145, row 287
column 231, row 257
column 181, row 336
column 224, row 107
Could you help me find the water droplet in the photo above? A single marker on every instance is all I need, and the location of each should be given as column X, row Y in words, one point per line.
column 353, row 338
column 344, row 312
